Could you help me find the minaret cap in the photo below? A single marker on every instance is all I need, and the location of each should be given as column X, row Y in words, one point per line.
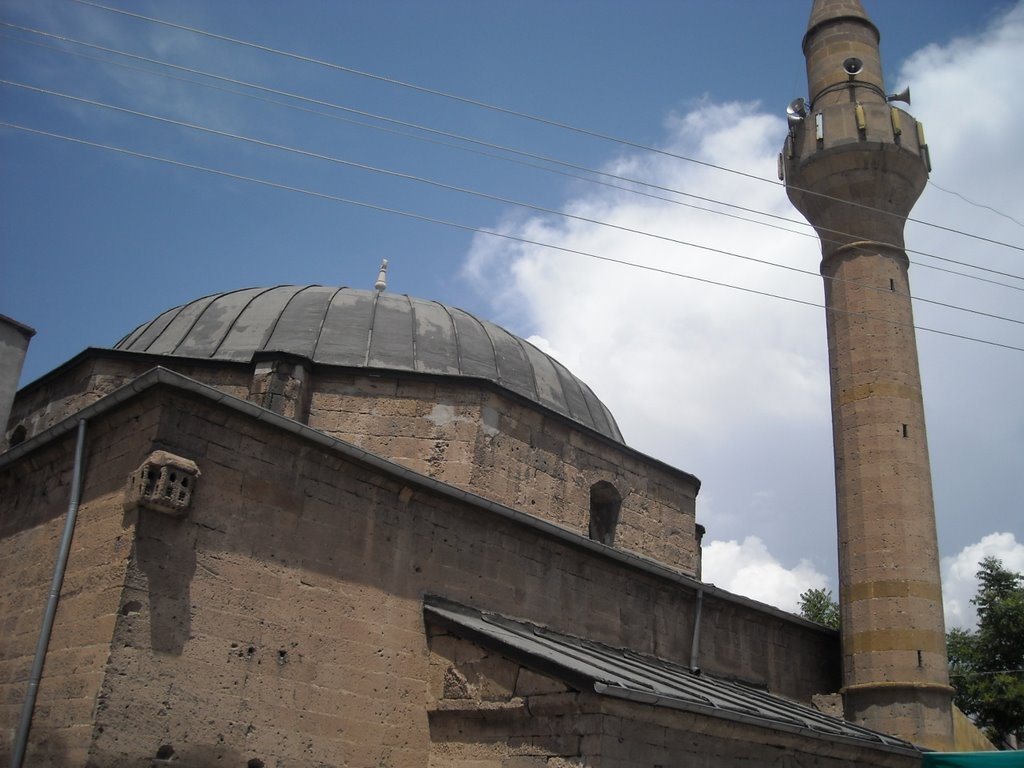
column 831, row 11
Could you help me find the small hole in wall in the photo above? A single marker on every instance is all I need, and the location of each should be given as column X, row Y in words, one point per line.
column 165, row 752
column 282, row 657
column 905, row 430
column 254, row 762
column 892, row 284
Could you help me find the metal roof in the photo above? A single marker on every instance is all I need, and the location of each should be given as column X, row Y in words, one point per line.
column 626, row 674
column 368, row 329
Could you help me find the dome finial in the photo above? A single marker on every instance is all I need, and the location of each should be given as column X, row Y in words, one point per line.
column 382, row 277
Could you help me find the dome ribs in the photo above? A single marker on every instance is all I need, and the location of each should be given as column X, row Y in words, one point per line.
column 515, row 370
column 477, row 356
column 437, row 343
column 391, row 339
column 140, row 339
column 300, row 323
column 347, row 327
column 344, row 338
column 177, row 330
column 250, row 331
column 215, row 323
column 323, row 322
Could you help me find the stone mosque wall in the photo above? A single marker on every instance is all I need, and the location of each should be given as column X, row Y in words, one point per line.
column 488, row 443
column 463, row 432
column 281, row 617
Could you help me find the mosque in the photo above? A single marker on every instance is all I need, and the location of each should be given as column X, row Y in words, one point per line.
column 323, row 526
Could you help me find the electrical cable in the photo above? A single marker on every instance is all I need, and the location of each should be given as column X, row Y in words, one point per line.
column 493, row 233
column 416, row 137
column 516, row 113
column 512, row 150
column 447, row 144
column 483, row 195
column 976, row 205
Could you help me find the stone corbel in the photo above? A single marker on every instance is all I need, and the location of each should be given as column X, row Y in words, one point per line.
column 163, row 483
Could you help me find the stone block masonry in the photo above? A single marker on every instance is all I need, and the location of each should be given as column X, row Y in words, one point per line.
column 855, row 175
column 281, row 619
column 490, row 443
column 33, row 505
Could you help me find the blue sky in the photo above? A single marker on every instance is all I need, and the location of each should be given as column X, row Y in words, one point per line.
column 730, row 387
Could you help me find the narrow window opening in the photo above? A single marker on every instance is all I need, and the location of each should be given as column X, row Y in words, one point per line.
column 904, row 430
column 892, row 284
column 18, row 435
column 605, row 502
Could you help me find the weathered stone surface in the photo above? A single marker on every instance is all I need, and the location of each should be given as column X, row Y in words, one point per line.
column 513, row 453
column 855, row 175
column 282, row 619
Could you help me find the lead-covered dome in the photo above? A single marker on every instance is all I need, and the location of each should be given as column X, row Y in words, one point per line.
column 366, row 329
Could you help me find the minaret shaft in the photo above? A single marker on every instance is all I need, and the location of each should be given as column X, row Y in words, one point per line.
column 854, row 169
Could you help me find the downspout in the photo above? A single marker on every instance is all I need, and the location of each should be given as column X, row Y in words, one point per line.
column 21, row 740
column 695, row 643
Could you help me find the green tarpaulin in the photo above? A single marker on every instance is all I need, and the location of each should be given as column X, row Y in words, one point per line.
column 968, row 759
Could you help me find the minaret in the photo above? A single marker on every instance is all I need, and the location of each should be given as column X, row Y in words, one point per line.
column 854, row 165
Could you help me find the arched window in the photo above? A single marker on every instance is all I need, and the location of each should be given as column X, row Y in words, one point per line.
column 604, row 512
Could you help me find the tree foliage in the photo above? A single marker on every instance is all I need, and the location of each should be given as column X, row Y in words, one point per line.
column 986, row 667
column 818, row 605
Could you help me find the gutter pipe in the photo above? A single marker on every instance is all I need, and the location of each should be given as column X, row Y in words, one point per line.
column 21, row 740
column 695, row 644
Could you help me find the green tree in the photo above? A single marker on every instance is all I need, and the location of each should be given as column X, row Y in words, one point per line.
column 986, row 667
column 818, row 605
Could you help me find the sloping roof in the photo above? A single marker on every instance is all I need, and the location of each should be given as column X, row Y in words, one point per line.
column 625, row 674
column 372, row 330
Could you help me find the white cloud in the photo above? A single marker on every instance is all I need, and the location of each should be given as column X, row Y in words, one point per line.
column 748, row 568
column 716, row 381
column 965, row 95
column 733, row 386
column 644, row 339
column 959, row 583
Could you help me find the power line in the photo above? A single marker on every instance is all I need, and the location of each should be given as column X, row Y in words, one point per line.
column 976, row 205
column 514, row 151
column 448, row 144
column 516, row 113
column 489, row 232
column 476, row 193
column 407, row 134
column 987, row 672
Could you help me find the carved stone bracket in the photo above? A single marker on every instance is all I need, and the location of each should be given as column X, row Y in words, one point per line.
column 164, row 483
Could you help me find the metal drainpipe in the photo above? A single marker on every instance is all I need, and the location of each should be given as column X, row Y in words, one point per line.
column 695, row 645
column 20, row 742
